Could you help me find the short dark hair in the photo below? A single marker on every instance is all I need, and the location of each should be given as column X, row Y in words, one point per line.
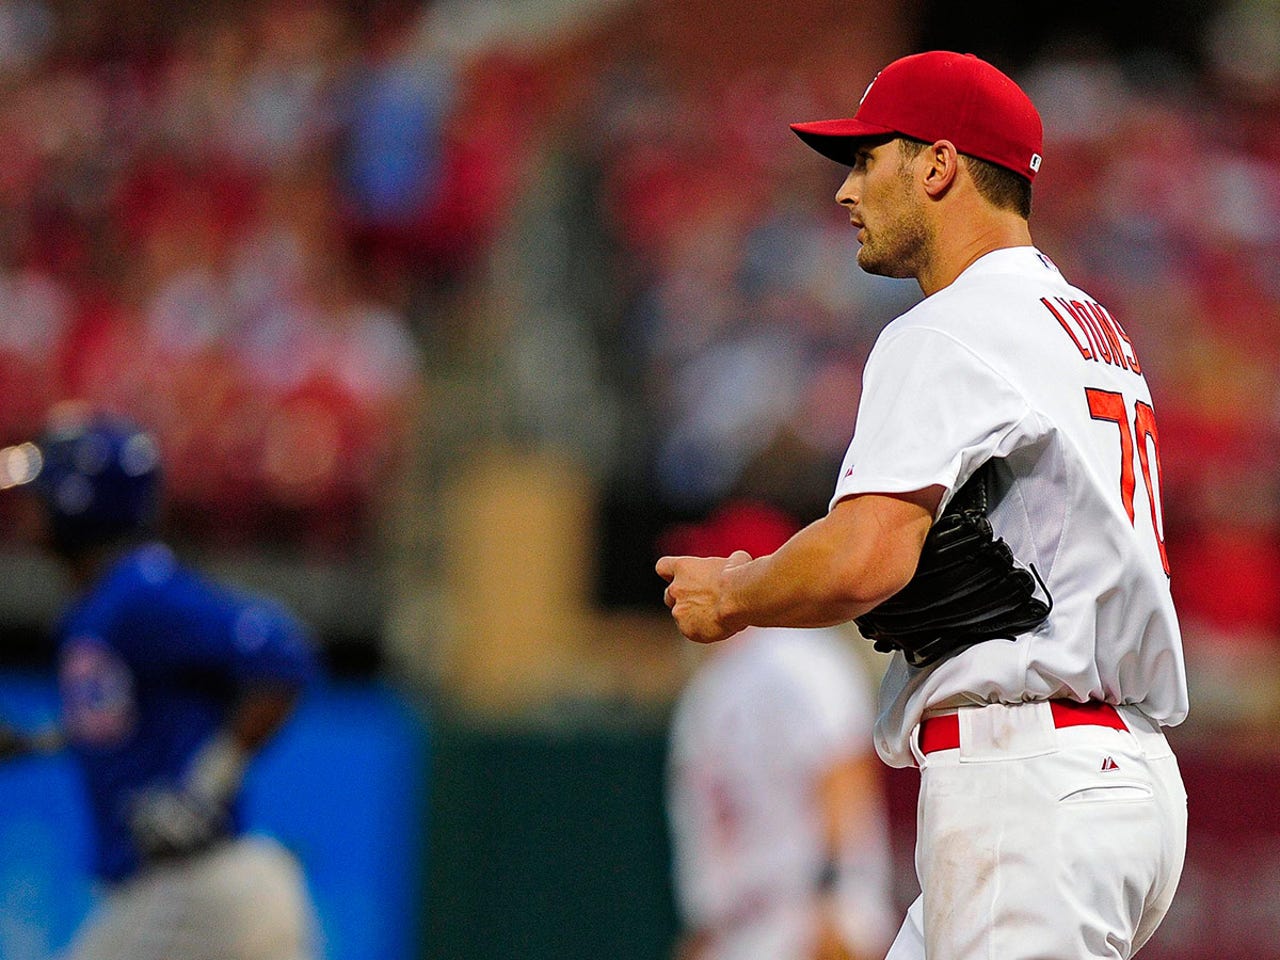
column 999, row 186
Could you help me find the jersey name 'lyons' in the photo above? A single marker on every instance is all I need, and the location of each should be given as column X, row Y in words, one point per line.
column 1101, row 332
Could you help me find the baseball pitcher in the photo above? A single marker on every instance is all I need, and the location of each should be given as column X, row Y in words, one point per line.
column 997, row 528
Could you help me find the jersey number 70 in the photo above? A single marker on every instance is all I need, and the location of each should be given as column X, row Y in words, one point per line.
column 1108, row 405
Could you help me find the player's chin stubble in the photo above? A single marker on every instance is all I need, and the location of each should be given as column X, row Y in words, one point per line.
column 896, row 248
column 899, row 246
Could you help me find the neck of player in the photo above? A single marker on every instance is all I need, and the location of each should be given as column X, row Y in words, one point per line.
column 963, row 237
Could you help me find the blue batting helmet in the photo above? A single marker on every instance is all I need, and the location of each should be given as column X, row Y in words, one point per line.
column 98, row 477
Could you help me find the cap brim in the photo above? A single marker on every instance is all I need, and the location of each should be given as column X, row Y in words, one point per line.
column 838, row 139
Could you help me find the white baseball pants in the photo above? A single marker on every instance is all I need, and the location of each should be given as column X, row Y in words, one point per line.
column 1040, row 843
column 245, row 900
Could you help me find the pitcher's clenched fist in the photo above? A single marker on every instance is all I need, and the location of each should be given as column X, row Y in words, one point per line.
column 697, row 595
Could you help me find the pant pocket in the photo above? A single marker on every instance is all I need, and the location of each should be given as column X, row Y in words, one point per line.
column 1109, row 793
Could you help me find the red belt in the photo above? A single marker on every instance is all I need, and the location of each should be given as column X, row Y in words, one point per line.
column 943, row 732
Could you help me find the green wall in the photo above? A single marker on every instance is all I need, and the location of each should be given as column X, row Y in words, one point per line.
column 547, row 845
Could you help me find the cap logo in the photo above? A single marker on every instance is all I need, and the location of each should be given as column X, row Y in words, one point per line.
column 1035, row 162
column 868, row 90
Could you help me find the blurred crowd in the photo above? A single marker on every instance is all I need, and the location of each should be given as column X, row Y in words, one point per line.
column 742, row 320
column 225, row 220
column 230, row 219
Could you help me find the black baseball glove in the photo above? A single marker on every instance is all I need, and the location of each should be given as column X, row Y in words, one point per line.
column 16, row 743
column 967, row 587
column 13, row 742
column 170, row 823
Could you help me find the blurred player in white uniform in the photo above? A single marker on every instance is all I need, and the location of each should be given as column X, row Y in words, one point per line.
column 779, row 833
column 170, row 684
column 1052, row 817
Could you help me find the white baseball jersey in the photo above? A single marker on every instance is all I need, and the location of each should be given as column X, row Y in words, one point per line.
column 759, row 724
column 1011, row 361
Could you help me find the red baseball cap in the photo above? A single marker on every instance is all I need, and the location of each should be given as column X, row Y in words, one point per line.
column 751, row 525
column 940, row 95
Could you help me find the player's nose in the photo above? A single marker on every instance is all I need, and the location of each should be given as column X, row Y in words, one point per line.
column 847, row 195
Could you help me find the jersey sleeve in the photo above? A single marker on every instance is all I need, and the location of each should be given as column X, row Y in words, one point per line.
column 694, row 802
column 932, row 411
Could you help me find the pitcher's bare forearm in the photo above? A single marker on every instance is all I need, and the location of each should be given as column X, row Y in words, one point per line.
column 833, row 570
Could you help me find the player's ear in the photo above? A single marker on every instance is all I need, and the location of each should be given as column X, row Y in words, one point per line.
column 939, row 165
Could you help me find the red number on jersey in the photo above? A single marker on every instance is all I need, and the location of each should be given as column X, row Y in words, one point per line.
column 1111, row 406
column 1105, row 405
column 1144, row 429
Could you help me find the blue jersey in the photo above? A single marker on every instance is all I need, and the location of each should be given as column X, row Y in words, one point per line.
column 151, row 660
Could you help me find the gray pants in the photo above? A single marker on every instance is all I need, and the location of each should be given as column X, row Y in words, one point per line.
column 246, row 900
